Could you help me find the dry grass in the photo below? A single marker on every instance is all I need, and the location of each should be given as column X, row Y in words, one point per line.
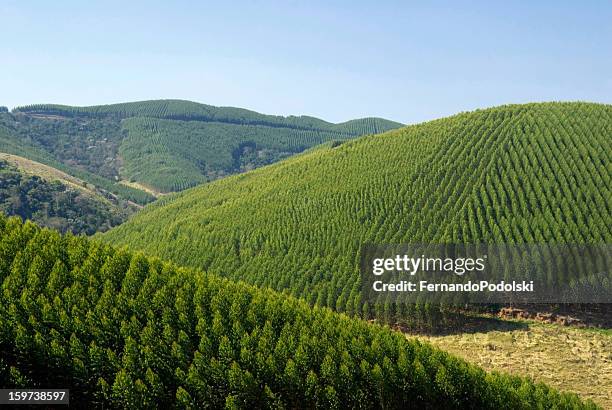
column 570, row 359
column 46, row 172
column 142, row 187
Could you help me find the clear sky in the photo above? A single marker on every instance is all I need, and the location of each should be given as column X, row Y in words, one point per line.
column 337, row 60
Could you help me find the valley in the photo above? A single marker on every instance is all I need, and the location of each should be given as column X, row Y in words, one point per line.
column 314, row 205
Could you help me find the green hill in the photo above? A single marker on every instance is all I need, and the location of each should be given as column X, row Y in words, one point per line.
column 534, row 173
column 169, row 145
column 124, row 331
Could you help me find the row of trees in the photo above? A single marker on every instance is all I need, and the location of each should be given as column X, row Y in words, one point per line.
column 192, row 111
column 173, row 155
column 172, row 145
column 132, row 332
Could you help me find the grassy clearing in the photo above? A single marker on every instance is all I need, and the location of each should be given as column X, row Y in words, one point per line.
column 570, row 359
column 142, row 187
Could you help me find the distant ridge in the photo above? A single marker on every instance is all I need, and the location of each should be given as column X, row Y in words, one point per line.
column 165, row 146
column 192, row 111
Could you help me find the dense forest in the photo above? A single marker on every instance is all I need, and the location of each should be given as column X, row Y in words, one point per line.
column 56, row 205
column 166, row 145
column 126, row 331
column 534, row 173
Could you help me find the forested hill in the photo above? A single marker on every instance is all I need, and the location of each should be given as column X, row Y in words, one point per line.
column 534, row 173
column 163, row 146
column 124, row 331
column 188, row 110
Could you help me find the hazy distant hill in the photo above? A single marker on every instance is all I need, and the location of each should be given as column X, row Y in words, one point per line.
column 165, row 145
column 534, row 173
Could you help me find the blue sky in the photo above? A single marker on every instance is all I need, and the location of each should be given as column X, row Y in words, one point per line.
column 407, row 61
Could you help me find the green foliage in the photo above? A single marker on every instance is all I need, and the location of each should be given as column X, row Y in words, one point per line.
column 85, row 144
column 54, row 204
column 535, row 173
column 174, row 155
column 170, row 145
column 132, row 332
column 27, row 137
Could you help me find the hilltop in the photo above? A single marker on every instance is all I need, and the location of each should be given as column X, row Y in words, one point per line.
column 533, row 173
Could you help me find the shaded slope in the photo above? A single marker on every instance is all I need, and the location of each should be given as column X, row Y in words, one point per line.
column 124, row 331
column 34, row 191
column 521, row 173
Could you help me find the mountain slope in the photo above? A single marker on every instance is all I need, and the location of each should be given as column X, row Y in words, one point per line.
column 534, row 173
column 59, row 144
column 124, row 331
column 170, row 145
column 53, row 199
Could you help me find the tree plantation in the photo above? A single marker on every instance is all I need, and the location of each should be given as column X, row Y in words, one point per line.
column 169, row 145
column 192, row 111
column 174, row 155
column 534, row 173
column 128, row 331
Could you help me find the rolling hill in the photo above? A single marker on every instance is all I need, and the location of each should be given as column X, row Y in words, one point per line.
column 124, row 331
column 534, row 173
column 155, row 147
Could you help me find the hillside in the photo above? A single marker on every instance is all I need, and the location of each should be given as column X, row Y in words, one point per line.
column 19, row 137
column 169, row 145
column 124, row 331
column 53, row 199
column 534, row 173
